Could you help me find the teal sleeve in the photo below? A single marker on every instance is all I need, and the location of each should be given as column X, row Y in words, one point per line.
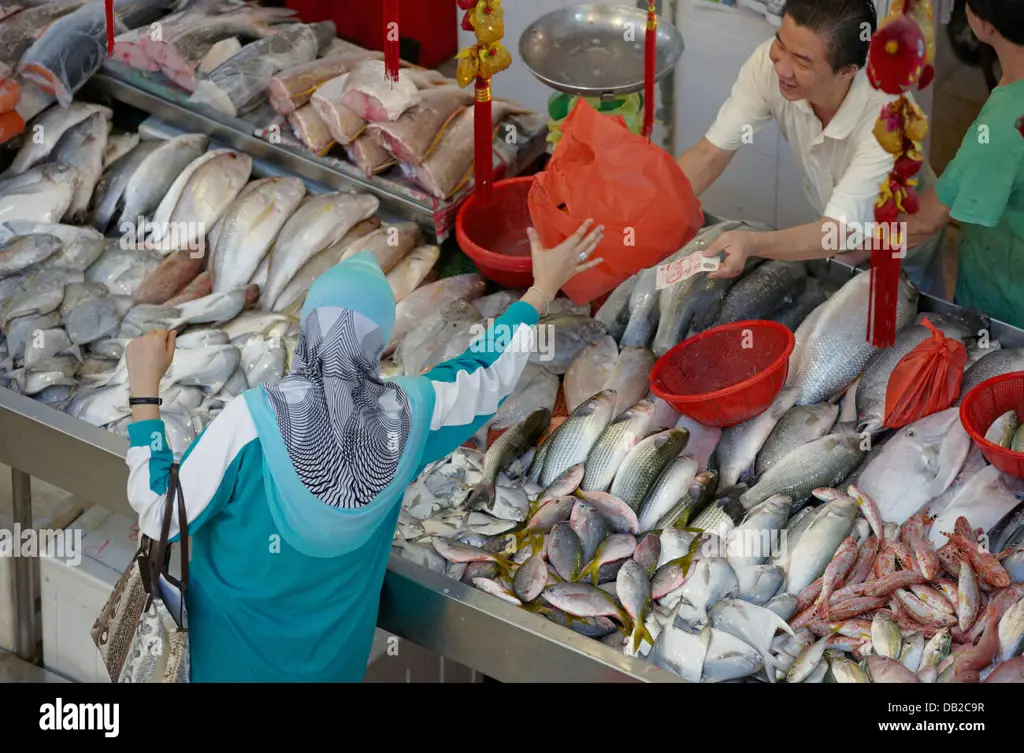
column 471, row 387
column 978, row 184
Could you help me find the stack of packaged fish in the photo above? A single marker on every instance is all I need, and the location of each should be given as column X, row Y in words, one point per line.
column 808, row 544
column 423, row 122
column 51, row 48
column 236, row 57
column 105, row 237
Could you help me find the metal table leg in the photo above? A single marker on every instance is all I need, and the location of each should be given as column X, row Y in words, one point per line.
column 25, row 598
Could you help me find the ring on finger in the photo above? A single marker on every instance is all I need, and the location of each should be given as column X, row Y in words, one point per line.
column 584, row 255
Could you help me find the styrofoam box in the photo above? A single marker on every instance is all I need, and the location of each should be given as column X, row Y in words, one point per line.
column 51, row 509
column 72, row 597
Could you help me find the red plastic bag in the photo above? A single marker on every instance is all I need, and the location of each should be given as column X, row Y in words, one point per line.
column 601, row 170
column 926, row 380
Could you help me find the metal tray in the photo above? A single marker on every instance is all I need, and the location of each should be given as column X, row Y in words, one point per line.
column 582, row 49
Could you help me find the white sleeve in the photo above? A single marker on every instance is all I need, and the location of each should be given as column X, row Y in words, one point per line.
column 747, row 109
column 207, row 469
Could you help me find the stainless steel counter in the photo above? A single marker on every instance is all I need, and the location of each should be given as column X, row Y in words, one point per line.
column 431, row 610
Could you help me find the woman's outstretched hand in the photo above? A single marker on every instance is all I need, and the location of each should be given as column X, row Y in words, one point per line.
column 553, row 267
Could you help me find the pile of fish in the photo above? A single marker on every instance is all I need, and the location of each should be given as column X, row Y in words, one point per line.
column 733, row 555
column 104, row 237
column 235, row 57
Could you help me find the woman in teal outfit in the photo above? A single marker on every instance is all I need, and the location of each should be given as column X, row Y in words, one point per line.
column 293, row 492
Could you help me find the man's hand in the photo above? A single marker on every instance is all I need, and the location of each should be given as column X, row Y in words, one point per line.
column 738, row 246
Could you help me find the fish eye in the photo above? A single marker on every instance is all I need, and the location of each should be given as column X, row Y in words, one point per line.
column 911, row 433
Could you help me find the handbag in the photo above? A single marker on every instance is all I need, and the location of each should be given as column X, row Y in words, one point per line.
column 142, row 630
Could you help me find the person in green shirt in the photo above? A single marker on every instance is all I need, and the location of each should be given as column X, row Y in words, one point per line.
column 983, row 187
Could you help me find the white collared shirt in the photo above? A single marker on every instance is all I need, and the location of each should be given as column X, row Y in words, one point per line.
column 844, row 164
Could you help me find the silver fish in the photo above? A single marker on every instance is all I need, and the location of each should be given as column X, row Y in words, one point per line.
column 993, row 363
column 759, row 294
column 817, row 544
column 109, row 193
column 572, row 333
column 833, row 350
column 633, row 588
column 590, row 371
column 752, row 541
column 42, row 194
column 738, row 448
column 415, row 353
column 643, row 464
column 614, row 444
column 82, row 147
column 886, row 639
column 823, row 462
column 1011, row 632
column 157, row 173
column 81, row 246
column 572, row 441
column 801, row 424
column 629, row 377
column 916, row 465
column 711, row 581
column 319, row 222
column 644, row 312
column 47, row 130
column 25, row 251
column 614, row 312
column 589, row 526
column 249, row 227
column 671, row 485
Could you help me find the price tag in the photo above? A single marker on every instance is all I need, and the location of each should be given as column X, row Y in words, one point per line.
column 682, row 269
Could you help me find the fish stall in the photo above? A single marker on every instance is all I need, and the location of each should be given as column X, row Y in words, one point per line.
column 589, row 526
column 321, row 106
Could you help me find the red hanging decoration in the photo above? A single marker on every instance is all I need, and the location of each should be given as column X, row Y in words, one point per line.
column 109, row 5
column 900, row 57
column 392, row 54
column 650, row 46
column 483, row 141
column 479, row 63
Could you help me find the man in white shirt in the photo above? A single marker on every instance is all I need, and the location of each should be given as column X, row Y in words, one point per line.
column 810, row 79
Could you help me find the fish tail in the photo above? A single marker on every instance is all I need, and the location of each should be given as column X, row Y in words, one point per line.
column 590, row 568
column 506, row 566
column 482, row 495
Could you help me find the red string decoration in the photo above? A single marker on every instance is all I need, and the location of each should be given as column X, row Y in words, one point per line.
column 109, row 4
column 650, row 46
column 392, row 54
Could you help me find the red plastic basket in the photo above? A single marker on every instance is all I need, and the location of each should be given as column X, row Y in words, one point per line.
column 725, row 375
column 495, row 238
column 983, row 405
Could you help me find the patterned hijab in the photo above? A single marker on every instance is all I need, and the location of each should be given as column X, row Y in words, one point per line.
column 344, row 427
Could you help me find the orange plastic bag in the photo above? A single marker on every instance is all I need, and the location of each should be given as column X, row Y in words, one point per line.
column 926, row 380
column 636, row 189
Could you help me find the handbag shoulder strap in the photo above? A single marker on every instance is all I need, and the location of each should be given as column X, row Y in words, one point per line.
column 160, row 560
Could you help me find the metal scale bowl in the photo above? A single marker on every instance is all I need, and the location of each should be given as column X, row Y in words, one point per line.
column 582, row 50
